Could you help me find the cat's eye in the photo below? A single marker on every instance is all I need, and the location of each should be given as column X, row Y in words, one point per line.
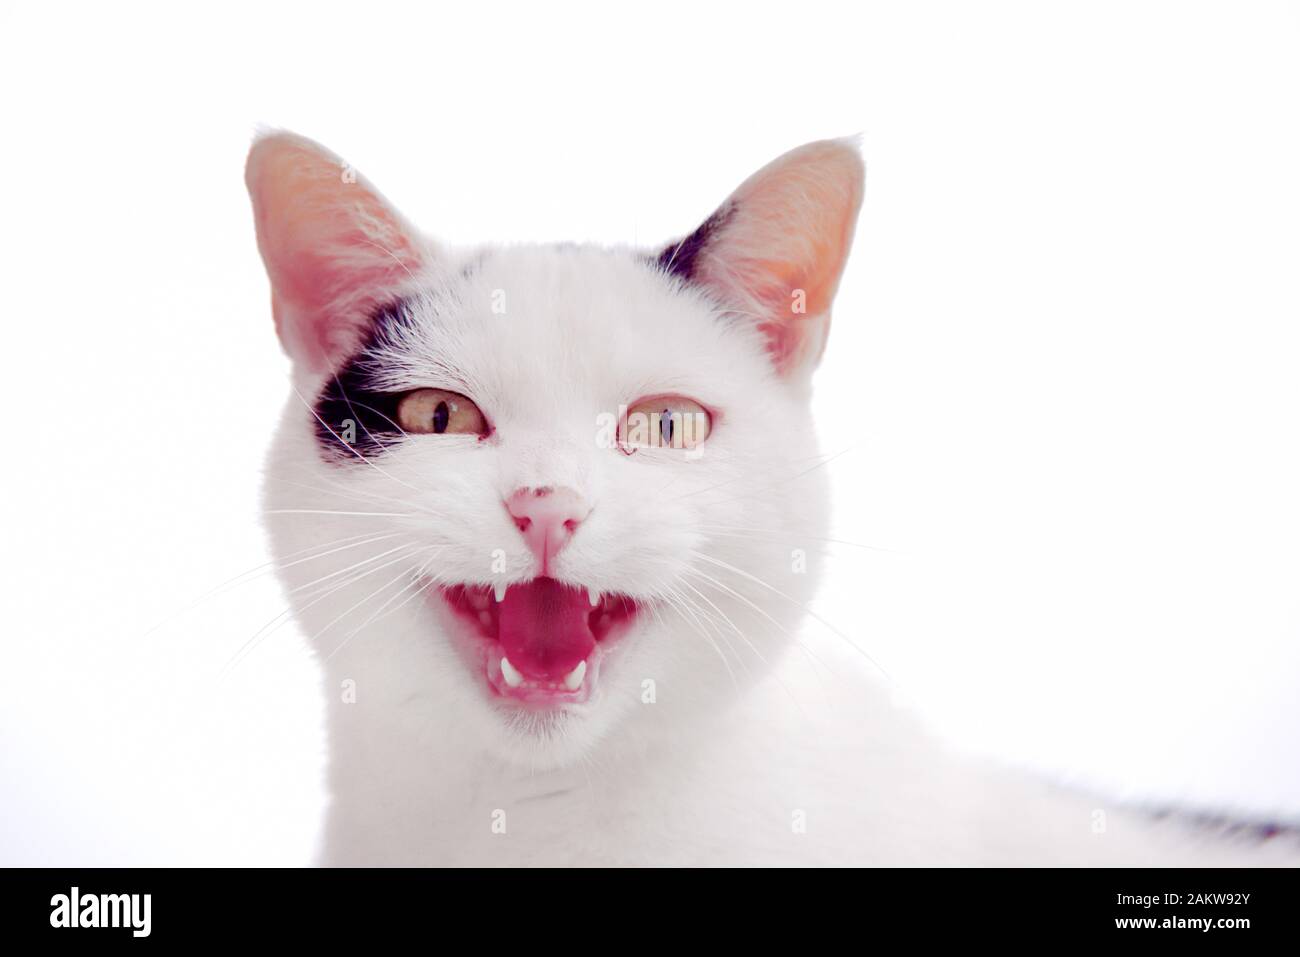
column 666, row 422
column 438, row 412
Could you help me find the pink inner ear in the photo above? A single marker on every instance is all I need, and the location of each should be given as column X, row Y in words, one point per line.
column 333, row 247
column 789, row 232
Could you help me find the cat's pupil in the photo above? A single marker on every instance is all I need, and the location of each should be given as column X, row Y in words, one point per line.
column 666, row 427
column 440, row 417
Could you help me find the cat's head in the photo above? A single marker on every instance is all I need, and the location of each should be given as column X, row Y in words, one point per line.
column 525, row 492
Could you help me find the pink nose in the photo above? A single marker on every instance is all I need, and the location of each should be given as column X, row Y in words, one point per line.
column 548, row 517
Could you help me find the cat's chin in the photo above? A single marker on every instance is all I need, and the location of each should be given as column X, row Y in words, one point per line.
column 538, row 646
column 544, row 739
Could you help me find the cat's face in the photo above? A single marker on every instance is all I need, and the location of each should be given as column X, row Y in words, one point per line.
column 525, row 494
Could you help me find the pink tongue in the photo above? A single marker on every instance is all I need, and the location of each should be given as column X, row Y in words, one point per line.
column 543, row 628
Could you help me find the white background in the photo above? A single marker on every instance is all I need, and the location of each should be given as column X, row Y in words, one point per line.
column 1063, row 368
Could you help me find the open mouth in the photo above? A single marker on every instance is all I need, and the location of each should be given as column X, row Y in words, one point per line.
column 542, row 640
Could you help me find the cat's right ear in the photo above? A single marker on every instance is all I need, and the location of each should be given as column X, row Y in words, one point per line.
column 334, row 248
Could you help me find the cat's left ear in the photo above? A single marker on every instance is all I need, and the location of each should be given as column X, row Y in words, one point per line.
column 334, row 248
column 775, row 250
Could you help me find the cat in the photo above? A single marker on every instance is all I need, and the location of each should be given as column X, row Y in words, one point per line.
column 551, row 517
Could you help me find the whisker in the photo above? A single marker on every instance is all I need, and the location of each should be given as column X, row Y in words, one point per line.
column 256, row 571
column 795, row 538
column 852, row 644
column 349, row 568
column 352, row 409
column 728, row 620
column 768, row 488
column 417, row 575
column 816, row 659
column 779, row 680
column 332, row 511
column 251, row 644
column 361, row 494
column 334, row 621
column 673, row 601
column 346, row 445
column 708, row 620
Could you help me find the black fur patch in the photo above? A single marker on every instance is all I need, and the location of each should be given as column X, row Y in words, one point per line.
column 1222, row 825
column 679, row 259
column 353, row 419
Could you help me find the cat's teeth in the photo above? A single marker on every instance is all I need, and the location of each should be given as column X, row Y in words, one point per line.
column 593, row 596
column 573, row 680
column 513, row 678
column 499, row 591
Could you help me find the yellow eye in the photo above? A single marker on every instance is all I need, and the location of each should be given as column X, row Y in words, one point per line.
column 439, row 412
column 665, row 422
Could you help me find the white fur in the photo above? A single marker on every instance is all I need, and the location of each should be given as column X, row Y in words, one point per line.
column 748, row 753
column 710, row 772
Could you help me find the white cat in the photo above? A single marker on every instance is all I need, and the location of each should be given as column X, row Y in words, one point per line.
column 544, row 512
